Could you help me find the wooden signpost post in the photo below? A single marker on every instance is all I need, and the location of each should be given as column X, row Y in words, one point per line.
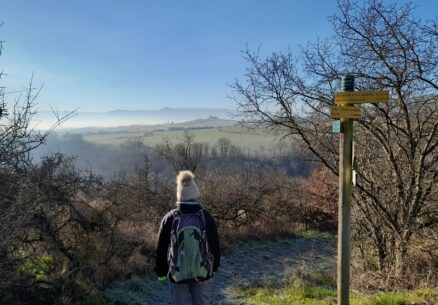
column 347, row 112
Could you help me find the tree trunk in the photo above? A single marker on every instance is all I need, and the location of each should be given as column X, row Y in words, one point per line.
column 400, row 257
column 382, row 253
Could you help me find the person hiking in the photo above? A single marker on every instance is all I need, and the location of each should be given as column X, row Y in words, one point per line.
column 188, row 249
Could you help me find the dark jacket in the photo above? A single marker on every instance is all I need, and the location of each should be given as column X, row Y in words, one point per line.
column 161, row 265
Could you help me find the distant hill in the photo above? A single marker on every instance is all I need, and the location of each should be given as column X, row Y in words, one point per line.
column 210, row 122
column 121, row 117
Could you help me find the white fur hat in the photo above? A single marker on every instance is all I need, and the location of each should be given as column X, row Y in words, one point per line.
column 186, row 188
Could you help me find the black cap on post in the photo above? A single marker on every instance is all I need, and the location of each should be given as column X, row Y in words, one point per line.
column 347, row 82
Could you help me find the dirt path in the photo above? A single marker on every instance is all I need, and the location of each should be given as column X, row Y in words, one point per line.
column 258, row 263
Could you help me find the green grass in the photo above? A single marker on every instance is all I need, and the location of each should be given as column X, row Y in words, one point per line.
column 396, row 298
column 40, row 267
column 247, row 140
column 314, row 234
column 319, row 288
column 293, row 293
column 129, row 292
column 313, row 291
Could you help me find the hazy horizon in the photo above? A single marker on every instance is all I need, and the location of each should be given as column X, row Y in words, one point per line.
column 122, row 117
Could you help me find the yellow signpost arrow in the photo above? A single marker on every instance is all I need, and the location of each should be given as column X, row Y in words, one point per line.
column 360, row 97
column 345, row 112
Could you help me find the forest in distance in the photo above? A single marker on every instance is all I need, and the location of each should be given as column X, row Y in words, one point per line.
column 125, row 151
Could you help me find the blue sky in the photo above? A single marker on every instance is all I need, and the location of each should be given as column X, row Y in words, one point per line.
column 103, row 55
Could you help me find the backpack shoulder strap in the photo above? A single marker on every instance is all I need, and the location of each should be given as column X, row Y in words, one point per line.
column 204, row 222
column 176, row 212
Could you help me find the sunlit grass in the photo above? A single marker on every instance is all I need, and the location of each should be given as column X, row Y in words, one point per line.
column 327, row 296
column 40, row 267
column 255, row 140
column 293, row 294
column 319, row 289
column 314, row 233
column 396, row 298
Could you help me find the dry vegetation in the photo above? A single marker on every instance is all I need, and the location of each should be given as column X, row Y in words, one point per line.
column 395, row 199
column 66, row 233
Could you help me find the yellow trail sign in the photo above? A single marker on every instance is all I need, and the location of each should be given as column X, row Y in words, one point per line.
column 359, row 97
column 345, row 112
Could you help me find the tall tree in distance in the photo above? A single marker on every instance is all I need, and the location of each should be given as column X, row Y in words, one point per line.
column 181, row 156
column 388, row 48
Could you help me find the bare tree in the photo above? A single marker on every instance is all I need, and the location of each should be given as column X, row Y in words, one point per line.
column 30, row 196
column 388, row 48
column 18, row 137
column 183, row 155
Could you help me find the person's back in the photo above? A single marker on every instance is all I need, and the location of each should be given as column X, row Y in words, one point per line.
column 188, row 250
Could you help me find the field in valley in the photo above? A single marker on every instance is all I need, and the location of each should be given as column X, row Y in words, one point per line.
column 252, row 140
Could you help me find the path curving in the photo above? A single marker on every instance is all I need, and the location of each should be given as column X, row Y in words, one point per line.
column 258, row 263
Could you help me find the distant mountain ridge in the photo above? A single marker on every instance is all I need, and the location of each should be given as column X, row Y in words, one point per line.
column 123, row 117
column 170, row 110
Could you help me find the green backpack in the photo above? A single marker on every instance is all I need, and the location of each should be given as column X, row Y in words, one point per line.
column 189, row 258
